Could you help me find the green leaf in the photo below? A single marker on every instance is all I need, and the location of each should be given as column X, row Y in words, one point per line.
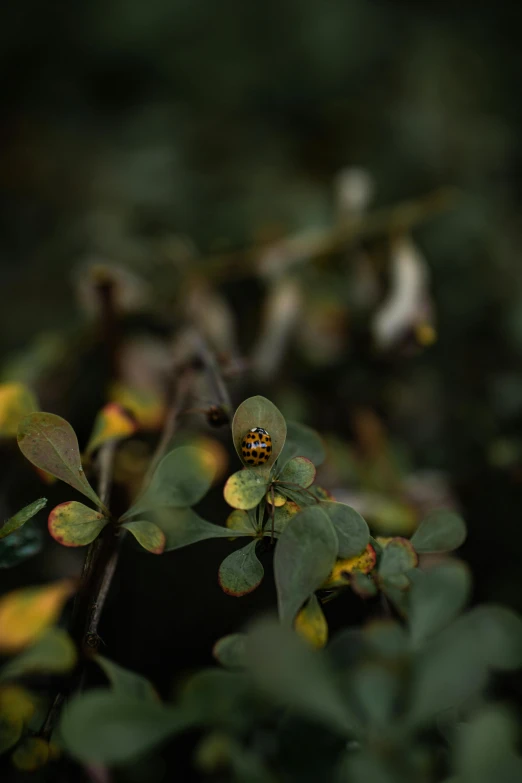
column 376, row 689
column 126, row 683
column 245, row 489
column 362, row 584
column 302, row 441
column 387, row 639
column 150, row 536
column 498, row 631
column 448, row 673
column 50, row 443
column 53, row 652
column 182, row 526
column 73, row 524
column 103, row 727
column 437, row 596
column 181, row 479
column 298, row 470
column 352, row 531
column 484, row 742
column 259, row 412
column 241, row 572
column 287, row 671
column 21, row 517
column 304, row 557
column 441, row 531
column 230, row 651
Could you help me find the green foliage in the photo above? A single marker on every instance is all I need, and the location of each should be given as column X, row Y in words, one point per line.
column 230, row 651
column 304, row 557
column 241, row 572
column 181, row 479
column 245, row 489
column 104, row 727
column 54, row 652
column 50, row 443
column 441, row 531
column 352, row 531
column 126, row 683
column 302, row 441
column 298, row 470
column 437, row 596
column 182, row 526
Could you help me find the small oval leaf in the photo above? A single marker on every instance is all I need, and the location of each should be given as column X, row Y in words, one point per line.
column 150, row 536
column 298, row 470
column 22, row 516
column 259, row 412
column 245, row 489
column 230, row 651
column 50, row 443
column 352, row 531
column 437, row 596
column 241, row 572
column 73, row 524
column 304, row 557
column 440, row 531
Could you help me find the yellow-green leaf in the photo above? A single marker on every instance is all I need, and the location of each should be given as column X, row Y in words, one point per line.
column 275, row 499
column 241, row 521
column 16, row 401
column 26, row 613
column 16, row 709
column 146, row 405
column 149, row 535
column 73, row 524
column 112, row 423
column 50, row 443
column 31, row 754
column 22, row 516
column 311, row 624
column 245, row 489
column 259, row 412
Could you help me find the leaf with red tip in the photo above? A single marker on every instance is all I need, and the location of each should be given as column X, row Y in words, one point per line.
column 73, row 524
column 149, row 535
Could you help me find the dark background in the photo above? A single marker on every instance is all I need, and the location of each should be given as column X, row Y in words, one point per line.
column 124, row 123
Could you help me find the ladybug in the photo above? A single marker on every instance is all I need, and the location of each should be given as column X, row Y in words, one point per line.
column 256, row 446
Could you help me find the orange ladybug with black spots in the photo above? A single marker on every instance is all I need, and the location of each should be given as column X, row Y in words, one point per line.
column 256, row 446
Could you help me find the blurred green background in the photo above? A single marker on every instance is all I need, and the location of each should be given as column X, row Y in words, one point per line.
column 131, row 130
